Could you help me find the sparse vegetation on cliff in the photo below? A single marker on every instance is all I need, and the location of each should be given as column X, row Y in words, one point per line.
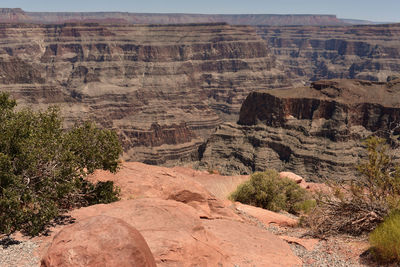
column 359, row 206
column 43, row 167
column 267, row 190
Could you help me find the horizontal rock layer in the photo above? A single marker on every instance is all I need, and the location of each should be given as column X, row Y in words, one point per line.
column 166, row 88
column 314, row 131
column 163, row 88
column 369, row 52
column 18, row 15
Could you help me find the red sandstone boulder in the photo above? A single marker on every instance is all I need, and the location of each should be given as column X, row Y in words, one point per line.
column 294, row 177
column 182, row 222
column 99, row 241
column 310, row 186
column 177, row 236
column 138, row 180
column 169, row 228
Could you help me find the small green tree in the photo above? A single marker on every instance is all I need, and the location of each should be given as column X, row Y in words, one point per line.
column 267, row 190
column 43, row 167
column 379, row 183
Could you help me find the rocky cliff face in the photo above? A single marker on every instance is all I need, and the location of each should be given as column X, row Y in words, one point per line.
column 164, row 88
column 8, row 15
column 314, row 131
column 355, row 52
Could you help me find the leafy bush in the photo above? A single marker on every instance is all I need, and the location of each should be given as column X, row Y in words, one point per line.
column 385, row 239
column 42, row 166
column 101, row 193
column 267, row 190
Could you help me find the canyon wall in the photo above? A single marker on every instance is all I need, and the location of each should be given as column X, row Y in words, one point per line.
column 368, row 52
column 18, row 15
column 163, row 88
column 314, row 131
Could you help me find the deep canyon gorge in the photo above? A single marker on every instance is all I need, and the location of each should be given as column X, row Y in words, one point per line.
column 200, row 103
column 165, row 88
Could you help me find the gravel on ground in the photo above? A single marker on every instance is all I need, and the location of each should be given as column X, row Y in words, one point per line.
column 18, row 254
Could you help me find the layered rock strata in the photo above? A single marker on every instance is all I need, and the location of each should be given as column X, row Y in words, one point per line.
column 18, row 15
column 166, row 88
column 310, row 53
column 163, row 88
column 314, row 131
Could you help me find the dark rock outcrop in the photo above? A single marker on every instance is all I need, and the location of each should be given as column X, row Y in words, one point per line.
column 313, row 131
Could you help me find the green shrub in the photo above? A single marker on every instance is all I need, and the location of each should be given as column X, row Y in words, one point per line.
column 306, row 206
column 101, row 193
column 42, row 166
column 385, row 239
column 379, row 174
column 359, row 206
column 267, row 190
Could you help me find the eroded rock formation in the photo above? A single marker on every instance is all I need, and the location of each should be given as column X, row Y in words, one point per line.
column 180, row 220
column 166, row 88
column 99, row 241
column 18, row 15
column 314, row 131
column 163, row 88
column 369, row 52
